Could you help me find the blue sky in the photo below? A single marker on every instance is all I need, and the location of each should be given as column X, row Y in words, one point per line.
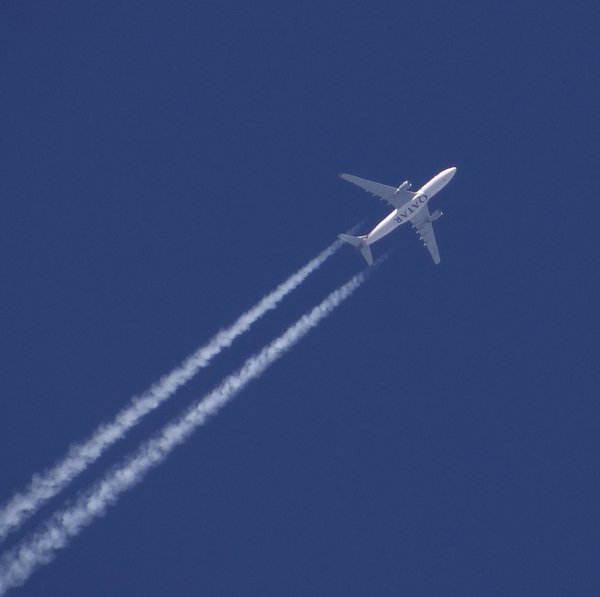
column 167, row 164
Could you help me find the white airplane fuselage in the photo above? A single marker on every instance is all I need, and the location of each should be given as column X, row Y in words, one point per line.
column 411, row 208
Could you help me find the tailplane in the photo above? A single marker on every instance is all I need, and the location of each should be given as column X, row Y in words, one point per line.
column 360, row 243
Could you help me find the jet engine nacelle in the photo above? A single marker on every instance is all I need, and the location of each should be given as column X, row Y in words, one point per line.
column 404, row 186
column 435, row 215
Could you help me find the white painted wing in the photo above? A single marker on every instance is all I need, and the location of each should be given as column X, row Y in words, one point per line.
column 422, row 224
column 395, row 197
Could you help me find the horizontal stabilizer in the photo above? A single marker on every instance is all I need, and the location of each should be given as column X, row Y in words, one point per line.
column 355, row 241
column 360, row 244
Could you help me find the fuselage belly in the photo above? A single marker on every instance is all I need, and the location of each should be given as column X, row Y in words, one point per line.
column 411, row 208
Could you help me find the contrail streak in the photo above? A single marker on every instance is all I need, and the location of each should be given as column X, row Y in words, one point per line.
column 19, row 563
column 79, row 456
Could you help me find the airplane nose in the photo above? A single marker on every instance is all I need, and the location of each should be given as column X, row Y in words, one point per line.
column 450, row 172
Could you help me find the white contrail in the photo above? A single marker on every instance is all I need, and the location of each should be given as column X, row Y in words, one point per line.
column 19, row 563
column 79, row 456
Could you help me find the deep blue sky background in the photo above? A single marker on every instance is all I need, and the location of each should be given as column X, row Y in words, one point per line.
column 165, row 164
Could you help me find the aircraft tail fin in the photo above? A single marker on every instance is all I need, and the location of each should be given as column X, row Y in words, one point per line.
column 360, row 244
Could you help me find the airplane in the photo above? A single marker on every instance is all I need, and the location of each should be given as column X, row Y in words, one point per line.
column 408, row 207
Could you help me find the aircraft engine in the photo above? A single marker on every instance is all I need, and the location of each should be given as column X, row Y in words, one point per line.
column 435, row 215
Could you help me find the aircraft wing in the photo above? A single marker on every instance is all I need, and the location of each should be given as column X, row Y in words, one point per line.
column 422, row 224
column 396, row 197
